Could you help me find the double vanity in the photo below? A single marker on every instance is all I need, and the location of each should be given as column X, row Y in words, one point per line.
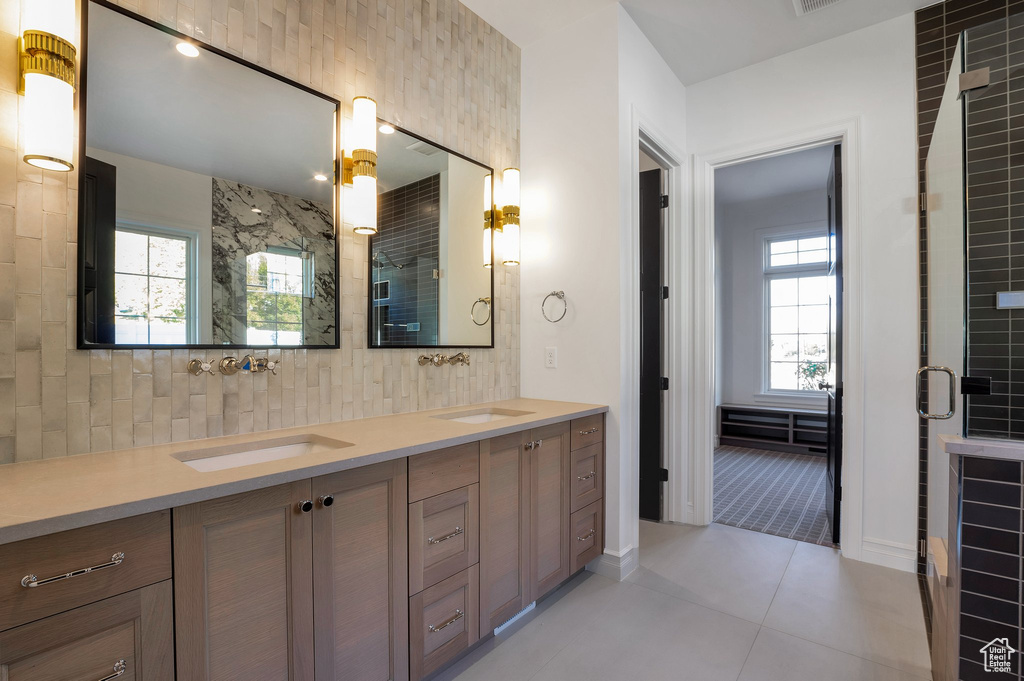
column 381, row 548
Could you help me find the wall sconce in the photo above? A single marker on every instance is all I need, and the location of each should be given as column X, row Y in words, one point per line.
column 364, row 165
column 47, row 80
column 510, row 189
column 489, row 225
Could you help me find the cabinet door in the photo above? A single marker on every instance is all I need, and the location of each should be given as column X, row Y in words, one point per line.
column 549, row 508
column 243, row 571
column 504, row 529
column 361, row 574
column 129, row 636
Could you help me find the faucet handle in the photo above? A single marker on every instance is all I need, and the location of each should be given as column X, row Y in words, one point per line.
column 266, row 364
column 198, row 366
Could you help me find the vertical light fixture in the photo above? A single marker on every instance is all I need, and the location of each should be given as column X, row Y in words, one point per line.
column 364, row 165
column 488, row 222
column 47, row 80
column 510, row 189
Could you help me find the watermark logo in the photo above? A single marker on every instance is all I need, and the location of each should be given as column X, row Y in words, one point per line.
column 998, row 655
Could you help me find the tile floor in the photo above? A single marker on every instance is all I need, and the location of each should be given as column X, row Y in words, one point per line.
column 717, row 603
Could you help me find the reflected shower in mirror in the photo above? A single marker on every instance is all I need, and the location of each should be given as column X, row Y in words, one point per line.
column 202, row 222
column 428, row 286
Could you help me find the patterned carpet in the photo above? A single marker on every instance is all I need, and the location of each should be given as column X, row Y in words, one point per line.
column 772, row 492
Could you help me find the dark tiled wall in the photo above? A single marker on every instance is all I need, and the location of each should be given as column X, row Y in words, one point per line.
column 937, row 30
column 995, row 234
column 990, row 576
column 408, row 220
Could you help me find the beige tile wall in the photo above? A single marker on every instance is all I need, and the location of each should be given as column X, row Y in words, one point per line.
column 434, row 68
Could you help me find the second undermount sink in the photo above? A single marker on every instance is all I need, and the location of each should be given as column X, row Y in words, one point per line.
column 485, row 415
column 222, row 457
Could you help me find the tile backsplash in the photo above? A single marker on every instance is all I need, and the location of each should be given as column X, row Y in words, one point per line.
column 433, row 66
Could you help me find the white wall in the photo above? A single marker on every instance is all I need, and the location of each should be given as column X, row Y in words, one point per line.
column 867, row 75
column 740, row 229
column 581, row 87
column 464, row 278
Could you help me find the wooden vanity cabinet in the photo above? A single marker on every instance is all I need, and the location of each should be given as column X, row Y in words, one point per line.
column 549, row 465
column 131, row 633
column 247, row 567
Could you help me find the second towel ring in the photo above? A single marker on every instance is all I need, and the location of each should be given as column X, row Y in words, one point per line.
column 565, row 306
column 472, row 311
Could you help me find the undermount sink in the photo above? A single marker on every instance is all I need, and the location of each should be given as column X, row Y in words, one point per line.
column 485, row 415
column 247, row 453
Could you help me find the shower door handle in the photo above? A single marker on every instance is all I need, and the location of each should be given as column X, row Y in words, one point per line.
column 952, row 392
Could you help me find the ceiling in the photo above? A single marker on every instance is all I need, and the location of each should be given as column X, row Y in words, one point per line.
column 701, row 39
column 799, row 171
column 196, row 114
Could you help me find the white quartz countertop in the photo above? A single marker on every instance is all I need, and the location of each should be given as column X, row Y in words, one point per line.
column 990, row 449
column 43, row 497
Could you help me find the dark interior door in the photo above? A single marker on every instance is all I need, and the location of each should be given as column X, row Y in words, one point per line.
column 651, row 296
column 96, row 261
column 833, row 384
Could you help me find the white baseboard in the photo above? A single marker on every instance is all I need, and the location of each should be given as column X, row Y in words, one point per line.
column 889, row 554
column 616, row 567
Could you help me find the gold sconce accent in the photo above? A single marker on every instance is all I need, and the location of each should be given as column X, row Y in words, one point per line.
column 360, row 168
column 47, row 81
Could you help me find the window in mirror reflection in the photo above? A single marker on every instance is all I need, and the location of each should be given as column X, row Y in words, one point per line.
column 151, row 288
column 276, row 284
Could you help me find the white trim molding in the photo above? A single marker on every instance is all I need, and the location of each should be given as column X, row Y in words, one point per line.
column 890, row 554
column 616, row 565
column 702, row 357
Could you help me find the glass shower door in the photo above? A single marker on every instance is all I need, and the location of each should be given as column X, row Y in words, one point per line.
column 944, row 173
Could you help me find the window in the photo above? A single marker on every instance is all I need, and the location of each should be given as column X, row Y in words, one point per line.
column 151, row 288
column 797, row 312
column 275, row 282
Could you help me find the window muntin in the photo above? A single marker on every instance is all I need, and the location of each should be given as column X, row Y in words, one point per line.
column 796, row 312
column 151, row 288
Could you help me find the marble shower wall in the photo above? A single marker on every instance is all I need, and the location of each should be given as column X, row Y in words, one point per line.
column 434, row 68
column 284, row 222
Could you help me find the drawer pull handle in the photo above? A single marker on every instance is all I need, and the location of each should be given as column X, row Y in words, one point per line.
column 31, row 581
column 119, row 668
column 456, row 533
column 590, row 432
column 458, row 616
column 588, row 476
column 587, row 536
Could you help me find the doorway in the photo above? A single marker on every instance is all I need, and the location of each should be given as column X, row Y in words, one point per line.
column 778, row 288
column 653, row 293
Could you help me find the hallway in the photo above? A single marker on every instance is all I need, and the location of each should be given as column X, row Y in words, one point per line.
column 772, row 492
column 718, row 604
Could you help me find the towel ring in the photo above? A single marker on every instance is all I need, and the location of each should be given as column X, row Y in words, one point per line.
column 472, row 311
column 565, row 306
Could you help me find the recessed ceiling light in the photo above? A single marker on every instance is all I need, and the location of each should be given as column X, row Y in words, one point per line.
column 187, row 49
column 256, row 210
column 320, row 177
column 387, row 129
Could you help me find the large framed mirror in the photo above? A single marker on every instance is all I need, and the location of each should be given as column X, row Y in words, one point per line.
column 430, row 279
column 208, row 202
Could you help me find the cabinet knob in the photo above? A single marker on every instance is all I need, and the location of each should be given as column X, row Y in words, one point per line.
column 305, row 506
column 327, row 500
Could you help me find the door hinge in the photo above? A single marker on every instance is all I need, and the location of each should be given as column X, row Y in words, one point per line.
column 663, row 474
column 664, row 200
column 972, row 80
column 664, row 292
column 664, row 383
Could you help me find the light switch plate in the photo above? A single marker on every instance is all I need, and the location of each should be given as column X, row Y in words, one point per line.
column 551, row 357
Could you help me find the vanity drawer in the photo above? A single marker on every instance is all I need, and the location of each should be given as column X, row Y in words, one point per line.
column 444, row 536
column 444, row 470
column 443, row 622
column 144, row 541
column 586, row 535
column 587, row 431
column 587, row 476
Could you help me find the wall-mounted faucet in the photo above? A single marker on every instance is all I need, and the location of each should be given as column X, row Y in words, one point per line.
column 439, row 359
column 230, row 366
